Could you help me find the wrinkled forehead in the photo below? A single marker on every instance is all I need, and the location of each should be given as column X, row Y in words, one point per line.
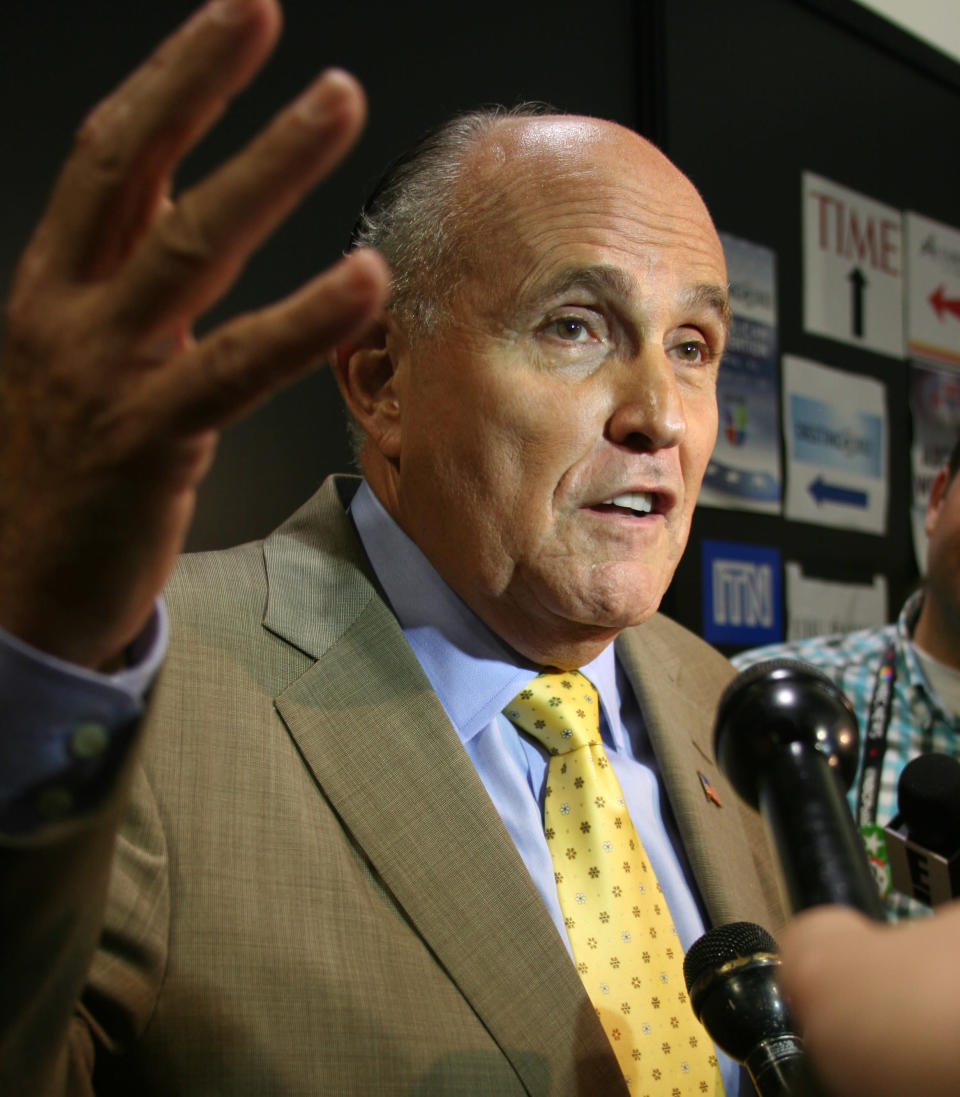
column 539, row 188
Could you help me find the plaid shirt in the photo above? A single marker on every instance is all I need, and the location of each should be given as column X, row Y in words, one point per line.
column 918, row 721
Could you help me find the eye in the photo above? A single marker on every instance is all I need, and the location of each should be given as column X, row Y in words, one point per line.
column 570, row 329
column 693, row 351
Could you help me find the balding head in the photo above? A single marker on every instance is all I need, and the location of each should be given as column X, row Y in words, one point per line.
column 432, row 213
column 601, row 174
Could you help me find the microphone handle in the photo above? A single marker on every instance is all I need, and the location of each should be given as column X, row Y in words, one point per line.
column 821, row 855
column 776, row 1067
column 779, row 1070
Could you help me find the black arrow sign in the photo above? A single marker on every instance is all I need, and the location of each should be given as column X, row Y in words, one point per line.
column 857, row 284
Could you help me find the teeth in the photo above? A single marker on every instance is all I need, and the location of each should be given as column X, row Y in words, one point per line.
column 640, row 501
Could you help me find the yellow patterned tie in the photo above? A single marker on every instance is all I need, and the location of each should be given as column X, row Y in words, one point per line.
column 623, row 940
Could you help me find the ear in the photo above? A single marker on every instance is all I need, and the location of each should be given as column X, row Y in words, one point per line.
column 937, row 493
column 366, row 372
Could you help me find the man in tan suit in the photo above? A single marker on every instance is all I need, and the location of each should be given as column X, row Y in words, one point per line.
column 310, row 866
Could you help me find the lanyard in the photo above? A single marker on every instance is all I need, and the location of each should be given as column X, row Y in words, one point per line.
column 875, row 741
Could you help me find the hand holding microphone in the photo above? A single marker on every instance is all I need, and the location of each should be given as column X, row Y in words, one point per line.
column 877, row 1004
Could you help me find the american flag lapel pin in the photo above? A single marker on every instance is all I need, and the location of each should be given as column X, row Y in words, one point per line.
column 708, row 790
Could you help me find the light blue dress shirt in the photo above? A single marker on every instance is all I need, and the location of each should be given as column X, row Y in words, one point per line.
column 65, row 728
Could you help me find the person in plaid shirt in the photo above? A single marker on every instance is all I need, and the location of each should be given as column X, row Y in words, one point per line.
column 903, row 680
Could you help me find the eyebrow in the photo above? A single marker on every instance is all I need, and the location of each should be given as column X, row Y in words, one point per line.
column 605, row 280
column 711, row 296
column 614, row 282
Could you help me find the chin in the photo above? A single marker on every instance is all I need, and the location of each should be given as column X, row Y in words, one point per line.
column 621, row 609
column 590, row 601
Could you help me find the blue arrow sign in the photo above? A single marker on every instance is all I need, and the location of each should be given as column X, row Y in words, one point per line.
column 834, row 493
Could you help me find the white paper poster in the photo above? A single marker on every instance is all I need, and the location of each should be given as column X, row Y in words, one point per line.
column 935, row 406
column 852, row 267
column 819, row 607
column 933, row 290
column 835, row 431
column 744, row 471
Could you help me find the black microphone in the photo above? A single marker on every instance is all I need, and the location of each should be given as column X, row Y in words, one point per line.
column 923, row 838
column 730, row 974
column 787, row 740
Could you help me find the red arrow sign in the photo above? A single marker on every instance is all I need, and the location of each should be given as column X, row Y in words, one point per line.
column 940, row 303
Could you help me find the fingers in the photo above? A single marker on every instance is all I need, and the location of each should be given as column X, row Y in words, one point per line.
column 126, row 269
column 197, row 247
column 812, row 944
column 115, row 407
column 243, row 362
column 130, row 143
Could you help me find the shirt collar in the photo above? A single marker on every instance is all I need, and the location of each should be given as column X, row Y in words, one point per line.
column 923, row 692
column 474, row 673
column 906, row 623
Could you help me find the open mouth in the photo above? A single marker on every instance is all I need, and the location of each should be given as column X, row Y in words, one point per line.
column 633, row 504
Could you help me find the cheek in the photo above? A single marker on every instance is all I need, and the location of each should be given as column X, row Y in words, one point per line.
column 701, row 419
column 530, row 434
column 479, row 465
column 505, row 439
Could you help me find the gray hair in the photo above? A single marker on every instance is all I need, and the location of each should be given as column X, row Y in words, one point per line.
column 414, row 221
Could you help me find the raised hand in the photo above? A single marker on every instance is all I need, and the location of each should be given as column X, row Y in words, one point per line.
column 109, row 409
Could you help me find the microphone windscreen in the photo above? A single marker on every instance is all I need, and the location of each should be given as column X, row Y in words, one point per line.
column 778, row 707
column 724, row 943
column 928, row 796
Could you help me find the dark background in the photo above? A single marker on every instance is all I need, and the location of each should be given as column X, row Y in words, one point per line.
column 754, row 93
column 743, row 95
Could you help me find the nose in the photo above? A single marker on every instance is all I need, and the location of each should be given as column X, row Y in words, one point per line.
column 648, row 410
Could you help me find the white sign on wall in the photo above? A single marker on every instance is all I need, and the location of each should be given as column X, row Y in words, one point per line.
column 744, row 470
column 853, row 267
column 933, row 289
column 819, row 607
column 835, row 430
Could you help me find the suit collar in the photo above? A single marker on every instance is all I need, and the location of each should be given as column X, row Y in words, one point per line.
column 315, row 561
column 724, row 844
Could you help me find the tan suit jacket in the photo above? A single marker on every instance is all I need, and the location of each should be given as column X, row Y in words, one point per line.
column 312, row 893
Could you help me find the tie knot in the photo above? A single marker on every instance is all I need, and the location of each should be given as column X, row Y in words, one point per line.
column 561, row 710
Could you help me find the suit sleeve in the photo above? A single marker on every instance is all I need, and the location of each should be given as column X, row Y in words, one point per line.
column 83, row 912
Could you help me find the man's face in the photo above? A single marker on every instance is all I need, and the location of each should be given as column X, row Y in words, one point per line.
column 555, row 428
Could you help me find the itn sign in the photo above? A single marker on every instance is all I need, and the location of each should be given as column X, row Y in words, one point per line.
column 853, row 267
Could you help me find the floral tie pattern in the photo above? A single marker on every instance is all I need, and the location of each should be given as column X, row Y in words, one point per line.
column 618, row 924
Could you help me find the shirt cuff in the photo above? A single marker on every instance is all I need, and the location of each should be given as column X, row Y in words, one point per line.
column 65, row 730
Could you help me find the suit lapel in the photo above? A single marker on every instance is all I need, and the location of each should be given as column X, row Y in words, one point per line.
column 380, row 745
column 678, row 701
